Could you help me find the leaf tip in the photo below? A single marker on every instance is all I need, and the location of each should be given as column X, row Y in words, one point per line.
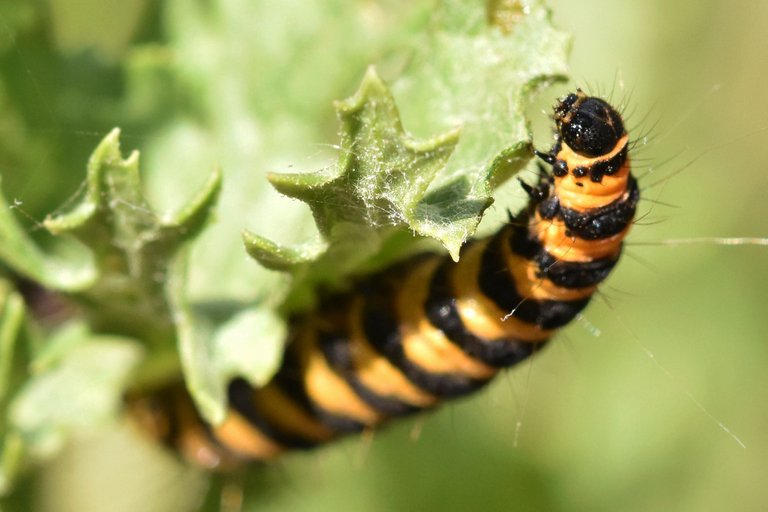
column 371, row 86
column 198, row 211
column 275, row 256
column 108, row 149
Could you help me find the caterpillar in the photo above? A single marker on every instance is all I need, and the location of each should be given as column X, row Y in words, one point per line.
column 430, row 329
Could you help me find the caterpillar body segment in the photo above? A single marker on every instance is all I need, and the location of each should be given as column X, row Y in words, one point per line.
column 430, row 329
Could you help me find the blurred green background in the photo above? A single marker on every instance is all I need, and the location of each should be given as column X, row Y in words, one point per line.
column 612, row 416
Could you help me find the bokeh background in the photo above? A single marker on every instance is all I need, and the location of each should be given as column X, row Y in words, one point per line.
column 643, row 404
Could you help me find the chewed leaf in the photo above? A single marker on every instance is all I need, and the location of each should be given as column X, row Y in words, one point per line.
column 380, row 178
column 133, row 246
column 470, row 78
column 114, row 211
column 134, row 251
column 478, row 67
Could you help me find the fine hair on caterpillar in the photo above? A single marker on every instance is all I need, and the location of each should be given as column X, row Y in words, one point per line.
column 429, row 329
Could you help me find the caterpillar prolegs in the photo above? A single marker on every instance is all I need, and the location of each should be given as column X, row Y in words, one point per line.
column 430, row 329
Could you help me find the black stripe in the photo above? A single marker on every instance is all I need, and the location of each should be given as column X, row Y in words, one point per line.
column 381, row 328
column 290, row 380
column 335, row 348
column 567, row 274
column 600, row 168
column 240, row 395
column 605, row 221
column 497, row 284
column 441, row 311
column 573, row 275
column 609, row 166
column 596, row 223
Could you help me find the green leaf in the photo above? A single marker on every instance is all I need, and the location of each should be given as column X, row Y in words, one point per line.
column 470, row 77
column 275, row 77
column 217, row 344
column 11, row 456
column 81, row 390
column 380, row 178
column 475, row 71
column 75, row 383
column 133, row 246
column 67, row 269
column 472, row 72
column 131, row 250
column 267, row 109
column 275, row 256
column 11, row 317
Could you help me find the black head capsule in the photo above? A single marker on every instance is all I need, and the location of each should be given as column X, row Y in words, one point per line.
column 589, row 125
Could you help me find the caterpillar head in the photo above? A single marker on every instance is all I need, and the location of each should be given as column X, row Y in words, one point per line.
column 588, row 125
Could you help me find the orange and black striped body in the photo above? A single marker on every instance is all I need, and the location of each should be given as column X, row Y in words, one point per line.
column 430, row 329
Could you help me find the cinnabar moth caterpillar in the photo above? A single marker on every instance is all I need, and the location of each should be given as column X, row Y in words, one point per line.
column 430, row 329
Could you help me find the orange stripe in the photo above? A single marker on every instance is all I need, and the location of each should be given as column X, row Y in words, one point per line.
column 375, row 371
column 241, row 437
column 424, row 344
column 575, row 160
column 478, row 313
column 530, row 285
column 582, row 193
column 282, row 411
column 553, row 237
column 329, row 390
